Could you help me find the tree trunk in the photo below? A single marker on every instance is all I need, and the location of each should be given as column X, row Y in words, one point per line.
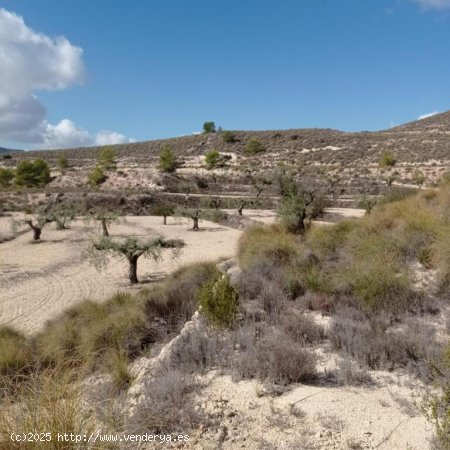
column 165, row 220
column 105, row 228
column 133, row 270
column 300, row 228
column 195, row 226
column 36, row 231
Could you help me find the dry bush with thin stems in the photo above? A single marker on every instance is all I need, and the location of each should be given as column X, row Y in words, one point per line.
column 45, row 401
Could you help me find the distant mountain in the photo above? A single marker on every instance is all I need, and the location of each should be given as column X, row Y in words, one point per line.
column 9, row 150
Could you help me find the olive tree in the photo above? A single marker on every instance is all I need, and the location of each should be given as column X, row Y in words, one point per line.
column 334, row 187
column 195, row 214
column 62, row 213
column 104, row 216
column 131, row 249
column 38, row 225
column 163, row 211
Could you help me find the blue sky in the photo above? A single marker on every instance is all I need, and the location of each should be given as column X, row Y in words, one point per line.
column 160, row 68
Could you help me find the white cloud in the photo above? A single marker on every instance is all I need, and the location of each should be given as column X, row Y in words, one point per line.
column 67, row 134
column 433, row 4
column 31, row 62
column 425, row 116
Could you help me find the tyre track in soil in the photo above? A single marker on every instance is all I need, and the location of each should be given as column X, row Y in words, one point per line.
column 29, row 296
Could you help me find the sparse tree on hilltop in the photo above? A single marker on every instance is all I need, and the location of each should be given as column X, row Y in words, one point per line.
column 132, row 249
column 209, row 127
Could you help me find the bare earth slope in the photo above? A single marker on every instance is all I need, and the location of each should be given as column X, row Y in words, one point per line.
column 419, row 141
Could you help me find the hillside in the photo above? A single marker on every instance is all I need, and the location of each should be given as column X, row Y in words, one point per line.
column 415, row 142
column 8, row 150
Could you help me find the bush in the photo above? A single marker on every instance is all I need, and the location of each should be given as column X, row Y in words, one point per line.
column 88, row 331
column 32, row 173
column 168, row 405
column 63, row 162
column 212, row 159
column 107, row 159
column 167, row 160
column 228, row 137
column 373, row 344
column 301, row 328
column 378, row 284
column 254, row 147
column 97, row 176
column 117, row 366
column 271, row 244
column 49, row 401
column 274, row 357
column 387, row 160
column 219, row 301
column 15, row 353
column 6, row 176
column 176, row 299
column 437, row 406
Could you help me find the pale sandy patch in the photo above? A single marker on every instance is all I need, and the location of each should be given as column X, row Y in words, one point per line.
column 40, row 280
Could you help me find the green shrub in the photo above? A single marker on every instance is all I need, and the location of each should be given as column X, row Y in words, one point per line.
column 32, row 173
column 107, row 159
column 219, row 301
column 377, row 284
column 63, row 162
column 6, row 176
column 387, row 160
column 167, row 160
column 97, row 176
column 271, row 244
column 228, row 137
column 212, row 159
column 86, row 332
column 176, row 299
column 327, row 241
column 254, row 147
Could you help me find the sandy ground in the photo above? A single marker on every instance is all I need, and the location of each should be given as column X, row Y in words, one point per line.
column 39, row 280
column 385, row 416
